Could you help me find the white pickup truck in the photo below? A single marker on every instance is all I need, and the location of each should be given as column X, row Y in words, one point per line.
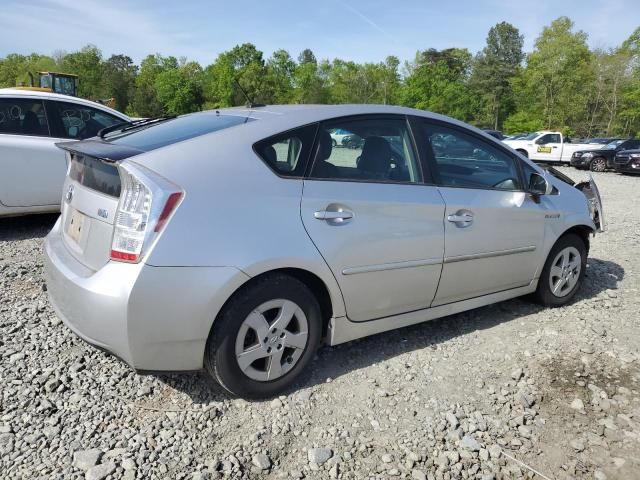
column 546, row 146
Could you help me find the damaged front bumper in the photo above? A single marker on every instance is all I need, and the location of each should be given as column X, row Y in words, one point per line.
column 590, row 190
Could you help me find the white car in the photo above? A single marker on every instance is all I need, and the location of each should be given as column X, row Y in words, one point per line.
column 546, row 146
column 32, row 168
column 338, row 135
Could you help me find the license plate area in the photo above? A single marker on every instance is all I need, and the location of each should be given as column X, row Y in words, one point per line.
column 76, row 226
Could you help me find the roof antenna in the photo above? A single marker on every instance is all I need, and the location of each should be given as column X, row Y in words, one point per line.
column 250, row 103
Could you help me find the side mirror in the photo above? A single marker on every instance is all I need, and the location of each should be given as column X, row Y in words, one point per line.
column 538, row 185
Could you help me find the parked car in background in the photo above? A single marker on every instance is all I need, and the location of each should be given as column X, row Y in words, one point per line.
column 516, row 136
column 627, row 161
column 601, row 158
column 601, row 140
column 236, row 240
column 495, row 134
column 338, row 136
column 546, row 146
column 32, row 167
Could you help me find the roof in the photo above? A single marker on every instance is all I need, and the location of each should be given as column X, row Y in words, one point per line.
column 59, row 73
column 17, row 92
column 302, row 114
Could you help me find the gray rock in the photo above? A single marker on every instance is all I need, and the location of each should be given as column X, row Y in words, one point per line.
column 577, row 444
column 386, row 458
column 200, row 476
column 452, row 419
column 261, row 461
column 418, row 475
column 99, row 472
column 470, row 443
column 577, row 404
column 517, row 374
column 85, row 459
column 599, row 475
column 319, row 456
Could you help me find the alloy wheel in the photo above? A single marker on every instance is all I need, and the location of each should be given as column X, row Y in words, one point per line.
column 598, row 164
column 565, row 271
column 271, row 340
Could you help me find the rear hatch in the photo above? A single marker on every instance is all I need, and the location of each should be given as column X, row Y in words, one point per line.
column 93, row 187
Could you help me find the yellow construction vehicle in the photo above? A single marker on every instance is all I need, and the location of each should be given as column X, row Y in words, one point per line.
column 65, row 83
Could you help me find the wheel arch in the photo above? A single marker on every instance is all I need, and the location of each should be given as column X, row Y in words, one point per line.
column 317, row 286
column 582, row 231
column 523, row 152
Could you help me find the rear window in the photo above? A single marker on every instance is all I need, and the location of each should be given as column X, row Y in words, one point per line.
column 95, row 174
column 175, row 130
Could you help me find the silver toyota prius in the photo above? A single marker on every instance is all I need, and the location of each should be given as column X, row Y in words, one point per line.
column 237, row 240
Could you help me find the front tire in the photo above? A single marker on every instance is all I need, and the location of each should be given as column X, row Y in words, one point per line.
column 598, row 164
column 264, row 337
column 563, row 272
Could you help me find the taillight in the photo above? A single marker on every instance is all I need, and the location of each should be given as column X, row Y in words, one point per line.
column 147, row 201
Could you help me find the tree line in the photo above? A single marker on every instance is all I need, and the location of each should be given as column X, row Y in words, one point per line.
column 562, row 84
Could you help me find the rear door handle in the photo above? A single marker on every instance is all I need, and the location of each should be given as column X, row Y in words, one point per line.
column 336, row 216
column 461, row 218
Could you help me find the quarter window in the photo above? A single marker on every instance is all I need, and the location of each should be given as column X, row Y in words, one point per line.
column 23, row 116
column 463, row 160
column 367, row 149
column 288, row 152
column 71, row 120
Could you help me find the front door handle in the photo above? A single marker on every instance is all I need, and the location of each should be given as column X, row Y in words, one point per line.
column 336, row 216
column 461, row 218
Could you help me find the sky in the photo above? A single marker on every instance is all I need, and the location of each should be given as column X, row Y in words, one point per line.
column 358, row 30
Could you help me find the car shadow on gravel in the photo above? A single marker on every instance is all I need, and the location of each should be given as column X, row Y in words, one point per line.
column 27, row 227
column 333, row 362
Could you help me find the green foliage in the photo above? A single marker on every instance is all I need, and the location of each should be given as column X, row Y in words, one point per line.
column 521, row 122
column 493, row 72
column 561, row 84
column 556, row 74
column 438, row 82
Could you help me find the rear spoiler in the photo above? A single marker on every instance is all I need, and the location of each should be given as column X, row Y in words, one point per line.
column 105, row 151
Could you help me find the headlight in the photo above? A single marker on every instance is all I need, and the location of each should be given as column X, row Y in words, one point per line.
column 587, row 155
column 577, row 154
column 634, row 155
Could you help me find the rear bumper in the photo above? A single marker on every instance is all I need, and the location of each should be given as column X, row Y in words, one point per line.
column 153, row 318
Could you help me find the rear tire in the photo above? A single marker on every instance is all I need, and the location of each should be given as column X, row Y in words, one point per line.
column 264, row 337
column 563, row 272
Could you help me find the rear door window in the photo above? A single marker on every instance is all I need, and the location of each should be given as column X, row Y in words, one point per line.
column 372, row 149
column 23, row 116
column 76, row 121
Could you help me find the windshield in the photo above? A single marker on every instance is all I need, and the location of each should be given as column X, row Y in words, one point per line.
column 614, row 144
column 531, row 136
column 155, row 135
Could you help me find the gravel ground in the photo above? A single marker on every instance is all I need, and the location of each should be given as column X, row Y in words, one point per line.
column 487, row 394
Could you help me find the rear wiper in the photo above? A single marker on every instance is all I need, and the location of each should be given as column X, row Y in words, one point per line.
column 124, row 126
